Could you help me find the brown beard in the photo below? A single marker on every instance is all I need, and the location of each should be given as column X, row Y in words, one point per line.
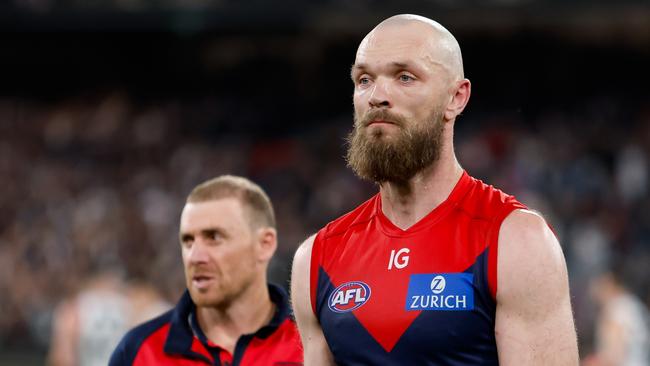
column 376, row 158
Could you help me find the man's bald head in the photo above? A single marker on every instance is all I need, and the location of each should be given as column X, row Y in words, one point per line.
column 439, row 44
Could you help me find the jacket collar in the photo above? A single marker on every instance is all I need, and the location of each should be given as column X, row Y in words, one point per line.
column 181, row 341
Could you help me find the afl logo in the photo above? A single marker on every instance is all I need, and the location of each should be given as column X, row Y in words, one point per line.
column 349, row 296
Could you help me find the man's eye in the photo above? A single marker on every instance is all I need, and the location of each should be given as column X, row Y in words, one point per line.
column 214, row 236
column 187, row 241
column 364, row 80
column 406, row 78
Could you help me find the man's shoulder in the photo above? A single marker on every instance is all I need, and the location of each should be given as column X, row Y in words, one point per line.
column 485, row 200
column 361, row 214
column 154, row 330
column 527, row 243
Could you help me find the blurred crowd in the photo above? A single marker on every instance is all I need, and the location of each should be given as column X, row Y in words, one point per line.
column 94, row 184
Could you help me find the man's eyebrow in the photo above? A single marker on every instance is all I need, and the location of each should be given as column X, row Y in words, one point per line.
column 210, row 231
column 401, row 65
column 356, row 67
column 207, row 231
column 393, row 65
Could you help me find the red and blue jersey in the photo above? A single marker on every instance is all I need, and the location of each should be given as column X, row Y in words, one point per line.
column 421, row 296
column 175, row 338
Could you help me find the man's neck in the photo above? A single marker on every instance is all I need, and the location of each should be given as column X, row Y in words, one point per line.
column 404, row 204
column 246, row 315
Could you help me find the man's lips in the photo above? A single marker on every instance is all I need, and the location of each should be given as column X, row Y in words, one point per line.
column 201, row 281
column 380, row 122
column 201, row 277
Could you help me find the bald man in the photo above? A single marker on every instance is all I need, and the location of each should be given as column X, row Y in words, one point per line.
column 438, row 268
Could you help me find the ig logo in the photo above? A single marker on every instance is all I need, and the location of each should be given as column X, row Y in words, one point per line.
column 399, row 259
column 438, row 284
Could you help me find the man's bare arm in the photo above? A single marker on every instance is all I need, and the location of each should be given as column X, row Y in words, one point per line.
column 316, row 351
column 65, row 334
column 534, row 321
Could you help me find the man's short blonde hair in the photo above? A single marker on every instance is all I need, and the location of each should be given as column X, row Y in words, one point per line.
column 251, row 195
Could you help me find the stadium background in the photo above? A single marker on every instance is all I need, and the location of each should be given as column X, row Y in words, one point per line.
column 112, row 110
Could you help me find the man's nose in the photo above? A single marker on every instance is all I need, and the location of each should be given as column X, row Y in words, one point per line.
column 198, row 253
column 380, row 95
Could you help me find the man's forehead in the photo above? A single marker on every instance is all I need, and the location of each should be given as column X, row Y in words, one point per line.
column 411, row 34
column 412, row 37
column 396, row 53
column 224, row 211
column 411, row 40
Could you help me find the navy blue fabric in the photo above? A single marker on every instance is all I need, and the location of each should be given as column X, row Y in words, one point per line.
column 125, row 352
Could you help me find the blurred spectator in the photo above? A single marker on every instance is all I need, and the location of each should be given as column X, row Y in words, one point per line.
column 632, row 174
column 622, row 328
column 88, row 326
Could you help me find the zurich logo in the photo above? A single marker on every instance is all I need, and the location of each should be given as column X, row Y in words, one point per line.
column 440, row 292
column 349, row 296
column 438, row 284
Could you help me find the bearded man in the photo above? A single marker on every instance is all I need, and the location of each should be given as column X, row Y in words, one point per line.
column 438, row 268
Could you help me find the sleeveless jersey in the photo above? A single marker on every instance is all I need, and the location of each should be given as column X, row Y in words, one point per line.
column 421, row 296
column 103, row 320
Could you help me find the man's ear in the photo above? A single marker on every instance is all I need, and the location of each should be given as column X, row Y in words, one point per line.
column 267, row 242
column 459, row 98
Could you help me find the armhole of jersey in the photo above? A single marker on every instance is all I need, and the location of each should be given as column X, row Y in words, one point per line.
column 313, row 271
column 493, row 244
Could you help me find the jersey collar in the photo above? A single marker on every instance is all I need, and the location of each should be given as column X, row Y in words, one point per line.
column 459, row 191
